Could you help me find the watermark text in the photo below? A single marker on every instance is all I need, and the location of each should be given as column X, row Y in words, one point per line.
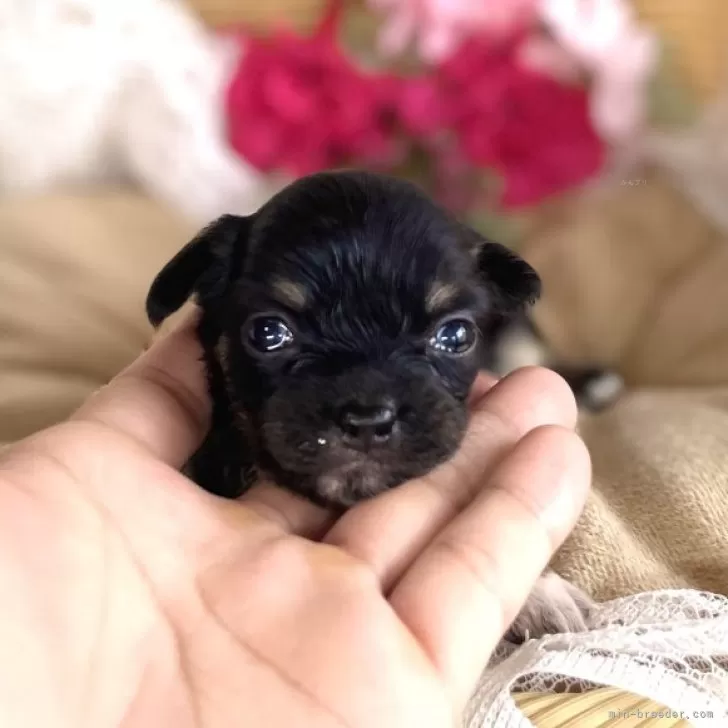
column 663, row 713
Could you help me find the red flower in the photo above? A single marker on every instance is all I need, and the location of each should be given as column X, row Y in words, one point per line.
column 418, row 107
column 299, row 105
column 532, row 129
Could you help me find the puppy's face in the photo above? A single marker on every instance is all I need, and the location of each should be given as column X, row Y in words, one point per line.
column 347, row 320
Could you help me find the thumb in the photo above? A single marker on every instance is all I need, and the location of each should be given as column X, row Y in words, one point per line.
column 501, row 415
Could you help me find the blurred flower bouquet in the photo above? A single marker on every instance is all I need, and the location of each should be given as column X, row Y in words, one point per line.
column 493, row 105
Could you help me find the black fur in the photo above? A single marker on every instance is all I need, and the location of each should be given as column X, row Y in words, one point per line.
column 365, row 252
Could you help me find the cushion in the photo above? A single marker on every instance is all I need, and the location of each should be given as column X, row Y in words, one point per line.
column 74, row 276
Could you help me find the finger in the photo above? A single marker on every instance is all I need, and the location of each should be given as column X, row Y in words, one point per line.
column 464, row 590
column 160, row 400
column 389, row 531
column 290, row 512
column 483, row 383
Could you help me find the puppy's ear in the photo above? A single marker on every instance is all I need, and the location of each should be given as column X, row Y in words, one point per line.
column 516, row 283
column 513, row 282
column 203, row 267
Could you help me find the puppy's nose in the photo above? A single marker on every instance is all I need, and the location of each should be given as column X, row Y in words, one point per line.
column 369, row 425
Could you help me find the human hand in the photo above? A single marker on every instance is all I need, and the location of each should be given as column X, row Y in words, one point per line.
column 130, row 597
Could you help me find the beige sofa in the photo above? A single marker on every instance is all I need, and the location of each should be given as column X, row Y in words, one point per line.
column 73, row 272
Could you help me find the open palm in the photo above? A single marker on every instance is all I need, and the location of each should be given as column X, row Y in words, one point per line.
column 133, row 598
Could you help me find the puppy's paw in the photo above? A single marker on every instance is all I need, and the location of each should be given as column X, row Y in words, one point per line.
column 595, row 388
column 554, row 606
column 601, row 390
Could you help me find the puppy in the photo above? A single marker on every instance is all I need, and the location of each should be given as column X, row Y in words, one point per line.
column 343, row 325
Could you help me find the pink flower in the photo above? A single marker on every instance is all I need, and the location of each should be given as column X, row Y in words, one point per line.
column 298, row 104
column 438, row 26
column 533, row 130
column 603, row 38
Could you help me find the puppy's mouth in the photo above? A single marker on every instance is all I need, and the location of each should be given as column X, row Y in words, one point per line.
column 348, row 484
column 339, row 455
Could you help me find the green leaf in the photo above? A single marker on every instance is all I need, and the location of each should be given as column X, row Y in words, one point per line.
column 671, row 103
column 359, row 34
column 505, row 228
column 358, row 31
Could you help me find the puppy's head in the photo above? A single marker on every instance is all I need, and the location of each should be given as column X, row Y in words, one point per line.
column 347, row 320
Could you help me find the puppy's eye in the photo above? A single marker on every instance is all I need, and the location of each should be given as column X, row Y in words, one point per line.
column 268, row 334
column 454, row 337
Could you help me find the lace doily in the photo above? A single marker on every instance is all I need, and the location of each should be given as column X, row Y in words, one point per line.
column 97, row 90
column 670, row 646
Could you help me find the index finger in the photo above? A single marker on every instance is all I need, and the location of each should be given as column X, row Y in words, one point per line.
column 464, row 590
column 160, row 400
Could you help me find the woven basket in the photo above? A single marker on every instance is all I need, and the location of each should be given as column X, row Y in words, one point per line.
column 600, row 708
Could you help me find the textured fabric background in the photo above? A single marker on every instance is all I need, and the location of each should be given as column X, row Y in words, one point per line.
column 74, row 275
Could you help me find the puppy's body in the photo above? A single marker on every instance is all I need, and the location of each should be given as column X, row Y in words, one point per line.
column 343, row 325
column 517, row 343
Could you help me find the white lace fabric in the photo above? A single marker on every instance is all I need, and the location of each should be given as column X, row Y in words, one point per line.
column 670, row 646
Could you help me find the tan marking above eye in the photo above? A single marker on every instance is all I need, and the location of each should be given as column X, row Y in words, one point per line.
column 290, row 293
column 440, row 296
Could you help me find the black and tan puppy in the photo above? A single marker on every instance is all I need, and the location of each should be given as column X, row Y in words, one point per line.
column 343, row 325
